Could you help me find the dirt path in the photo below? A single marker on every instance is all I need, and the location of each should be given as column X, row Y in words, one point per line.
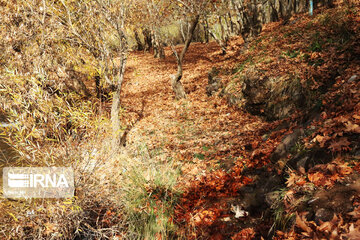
column 200, row 126
column 208, row 139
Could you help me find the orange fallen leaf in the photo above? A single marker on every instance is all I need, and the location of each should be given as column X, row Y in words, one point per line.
column 317, row 178
column 341, row 144
column 301, row 224
column 351, row 127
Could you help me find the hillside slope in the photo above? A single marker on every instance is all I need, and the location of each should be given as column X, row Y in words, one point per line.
column 265, row 145
column 228, row 156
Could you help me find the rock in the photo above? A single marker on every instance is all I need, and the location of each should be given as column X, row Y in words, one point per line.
column 272, row 97
column 272, row 197
column 255, row 90
column 303, row 163
column 338, row 200
column 212, row 88
column 214, row 82
column 324, row 215
column 290, row 140
column 253, row 197
column 353, row 78
column 307, row 160
column 213, row 73
column 70, row 81
column 286, row 144
column 75, row 82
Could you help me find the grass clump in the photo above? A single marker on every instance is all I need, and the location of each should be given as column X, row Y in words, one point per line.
column 149, row 196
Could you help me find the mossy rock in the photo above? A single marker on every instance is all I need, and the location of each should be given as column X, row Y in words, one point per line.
column 272, row 97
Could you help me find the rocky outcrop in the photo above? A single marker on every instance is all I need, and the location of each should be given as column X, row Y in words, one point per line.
column 214, row 82
column 286, row 144
column 254, row 197
column 272, row 97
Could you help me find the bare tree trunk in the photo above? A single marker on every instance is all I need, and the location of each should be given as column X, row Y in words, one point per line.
column 223, row 39
column 182, row 31
column 161, row 50
column 206, row 31
column 230, row 22
column 158, row 45
column 274, row 14
column 147, row 39
column 139, row 44
column 115, row 107
column 178, row 88
column 115, row 120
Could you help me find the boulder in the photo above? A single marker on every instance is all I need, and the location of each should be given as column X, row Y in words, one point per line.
column 353, row 78
column 286, row 144
column 260, row 194
column 308, row 159
column 272, row 97
column 323, row 214
column 214, row 82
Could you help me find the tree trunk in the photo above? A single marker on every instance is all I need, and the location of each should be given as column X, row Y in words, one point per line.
column 147, row 39
column 206, row 31
column 230, row 22
column 182, row 32
column 115, row 120
column 139, row 44
column 223, row 39
column 158, row 45
column 115, row 108
column 161, row 50
column 178, row 88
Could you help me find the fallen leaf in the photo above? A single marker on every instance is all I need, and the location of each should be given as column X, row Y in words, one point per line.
column 301, row 224
column 341, row 144
column 351, row 127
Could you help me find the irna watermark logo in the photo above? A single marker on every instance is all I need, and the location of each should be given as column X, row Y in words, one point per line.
column 48, row 182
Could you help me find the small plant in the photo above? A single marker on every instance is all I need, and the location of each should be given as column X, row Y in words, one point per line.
column 149, row 195
column 316, row 44
column 282, row 219
column 205, row 148
column 291, row 54
column 241, row 66
column 199, row 156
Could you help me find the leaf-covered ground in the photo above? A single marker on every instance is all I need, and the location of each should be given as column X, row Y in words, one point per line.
column 215, row 144
column 235, row 182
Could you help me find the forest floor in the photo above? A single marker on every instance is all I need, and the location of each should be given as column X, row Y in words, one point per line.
column 204, row 135
column 204, row 167
column 215, row 144
column 191, row 126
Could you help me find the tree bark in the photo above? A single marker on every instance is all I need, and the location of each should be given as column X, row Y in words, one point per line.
column 178, row 88
column 206, row 31
column 182, row 31
column 158, row 45
column 223, row 39
column 147, row 39
column 115, row 107
column 139, row 44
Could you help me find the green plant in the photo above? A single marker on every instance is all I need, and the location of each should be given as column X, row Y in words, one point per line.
column 199, row 156
column 282, row 219
column 316, row 44
column 291, row 54
column 205, row 148
column 241, row 66
column 149, row 195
